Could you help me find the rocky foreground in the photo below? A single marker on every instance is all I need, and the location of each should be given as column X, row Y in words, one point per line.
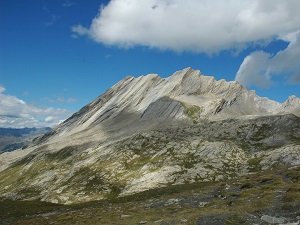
column 269, row 197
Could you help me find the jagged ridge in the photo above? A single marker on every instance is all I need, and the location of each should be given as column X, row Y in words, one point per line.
column 152, row 97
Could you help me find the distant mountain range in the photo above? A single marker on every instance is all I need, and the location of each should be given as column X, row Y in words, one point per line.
column 151, row 132
column 15, row 138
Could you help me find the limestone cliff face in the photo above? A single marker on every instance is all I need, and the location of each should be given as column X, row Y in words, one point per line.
column 149, row 132
column 187, row 96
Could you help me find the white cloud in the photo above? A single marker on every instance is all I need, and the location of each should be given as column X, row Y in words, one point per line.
column 206, row 26
column 253, row 70
column 2, row 89
column 68, row 4
column 196, row 25
column 49, row 118
column 259, row 67
column 16, row 113
column 61, row 99
column 79, row 29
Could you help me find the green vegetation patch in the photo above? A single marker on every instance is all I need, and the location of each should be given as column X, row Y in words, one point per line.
column 232, row 202
column 193, row 112
column 254, row 164
column 62, row 154
column 20, row 210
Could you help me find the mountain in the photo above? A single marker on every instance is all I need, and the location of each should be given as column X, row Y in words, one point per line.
column 151, row 132
column 15, row 138
column 16, row 132
column 185, row 95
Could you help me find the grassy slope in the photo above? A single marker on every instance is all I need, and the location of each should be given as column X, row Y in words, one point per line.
column 244, row 200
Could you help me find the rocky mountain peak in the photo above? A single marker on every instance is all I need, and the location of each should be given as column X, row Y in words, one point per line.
column 186, row 96
column 292, row 105
column 149, row 132
column 292, row 100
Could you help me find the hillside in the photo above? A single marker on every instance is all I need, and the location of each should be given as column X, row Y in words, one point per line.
column 149, row 132
column 268, row 197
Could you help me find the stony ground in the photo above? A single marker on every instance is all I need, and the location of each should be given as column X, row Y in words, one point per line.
column 203, row 152
column 268, row 197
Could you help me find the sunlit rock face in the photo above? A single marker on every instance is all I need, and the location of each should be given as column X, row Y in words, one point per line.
column 150, row 132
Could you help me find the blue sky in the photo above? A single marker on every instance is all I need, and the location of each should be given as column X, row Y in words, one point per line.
column 58, row 55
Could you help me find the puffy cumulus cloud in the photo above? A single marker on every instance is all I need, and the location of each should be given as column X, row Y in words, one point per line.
column 259, row 67
column 16, row 113
column 207, row 26
column 253, row 70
